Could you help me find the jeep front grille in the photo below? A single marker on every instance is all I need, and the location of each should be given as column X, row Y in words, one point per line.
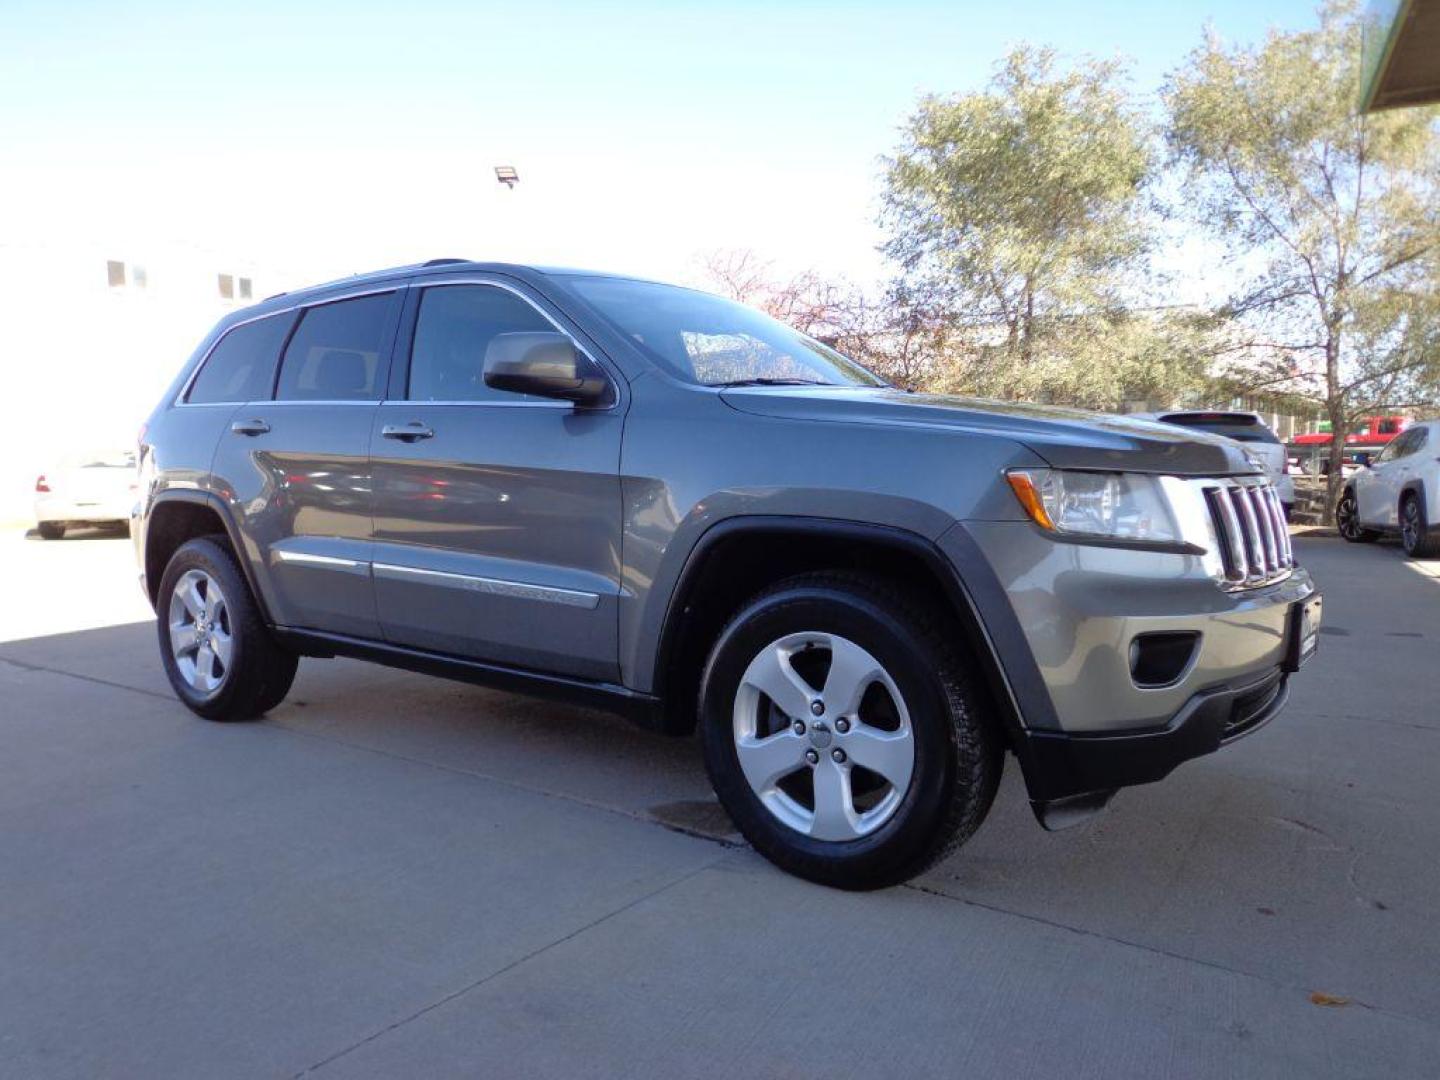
column 1250, row 528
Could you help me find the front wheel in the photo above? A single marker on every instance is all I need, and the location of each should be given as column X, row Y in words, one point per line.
column 1415, row 536
column 1347, row 520
column 52, row 530
column 843, row 732
column 220, row 659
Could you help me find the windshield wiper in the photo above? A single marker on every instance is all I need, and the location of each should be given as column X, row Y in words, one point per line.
column 769, row 381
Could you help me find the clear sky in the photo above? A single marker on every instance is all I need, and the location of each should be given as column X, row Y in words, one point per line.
column 325, row 138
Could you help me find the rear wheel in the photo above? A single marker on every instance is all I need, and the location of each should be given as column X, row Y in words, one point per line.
column 52, row 530
column 219, row 657
column 1347, row 520
column 843, row 734
column 1415, row 536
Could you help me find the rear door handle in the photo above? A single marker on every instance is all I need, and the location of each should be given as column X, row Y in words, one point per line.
column 250, row 427
column 412, row 432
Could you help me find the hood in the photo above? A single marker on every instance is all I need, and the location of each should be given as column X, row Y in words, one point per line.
column 1066, row 438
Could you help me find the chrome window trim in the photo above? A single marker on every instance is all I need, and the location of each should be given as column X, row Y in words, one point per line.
column 181, row 403
column 486, row 403
column 292, row 402
column 494, row 586
column 450, row 282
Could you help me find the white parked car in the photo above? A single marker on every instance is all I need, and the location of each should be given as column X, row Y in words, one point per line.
column 1243, row 427
column 1397, row 492
column 92, row 489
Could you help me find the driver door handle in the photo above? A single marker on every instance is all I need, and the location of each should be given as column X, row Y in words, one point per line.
column 412, row 432
column 250, row 427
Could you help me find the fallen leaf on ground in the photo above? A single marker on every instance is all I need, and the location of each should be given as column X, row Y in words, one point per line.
column 1328, row 1000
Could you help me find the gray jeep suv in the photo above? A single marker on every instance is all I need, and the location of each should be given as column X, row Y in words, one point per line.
column 642, row 497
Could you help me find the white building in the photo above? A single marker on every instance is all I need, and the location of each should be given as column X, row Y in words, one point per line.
column 96, row 331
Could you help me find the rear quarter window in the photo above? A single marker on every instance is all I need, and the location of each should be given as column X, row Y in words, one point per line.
column 241, row 366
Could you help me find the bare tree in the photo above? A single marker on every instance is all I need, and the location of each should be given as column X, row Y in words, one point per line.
column 738, row 273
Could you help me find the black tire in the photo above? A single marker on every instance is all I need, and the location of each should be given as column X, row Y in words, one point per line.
column 52, row 530
column 1347, row 520
column 958, row 744
column 1416, row 537
column 260, row 671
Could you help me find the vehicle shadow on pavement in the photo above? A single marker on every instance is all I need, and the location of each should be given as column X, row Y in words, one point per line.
column 80, row 533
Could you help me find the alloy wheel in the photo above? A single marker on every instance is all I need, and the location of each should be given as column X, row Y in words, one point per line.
column 200, row 634
column 1410, row 524
column 823, row 736
column 1347, row 517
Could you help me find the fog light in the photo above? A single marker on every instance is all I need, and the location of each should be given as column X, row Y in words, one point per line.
column 1160, row 659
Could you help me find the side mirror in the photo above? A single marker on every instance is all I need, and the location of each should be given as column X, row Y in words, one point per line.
column 1363, row 460
column 544, row 364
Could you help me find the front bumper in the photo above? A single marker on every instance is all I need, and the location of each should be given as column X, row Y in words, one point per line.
column 1062, row 766
column 1063, row 618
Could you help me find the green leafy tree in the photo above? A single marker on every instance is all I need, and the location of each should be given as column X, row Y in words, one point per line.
column 1103, row 361
column 1025, row 207
column 1333, row 218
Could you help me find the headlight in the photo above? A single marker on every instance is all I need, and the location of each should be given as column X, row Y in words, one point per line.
column 1109, row 506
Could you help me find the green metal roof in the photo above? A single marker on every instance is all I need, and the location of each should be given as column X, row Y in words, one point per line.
column 1400, row 63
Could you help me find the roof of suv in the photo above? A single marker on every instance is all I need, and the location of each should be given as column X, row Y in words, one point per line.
column 410, row 269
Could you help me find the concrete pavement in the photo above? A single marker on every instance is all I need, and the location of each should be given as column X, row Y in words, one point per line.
column 393, row 875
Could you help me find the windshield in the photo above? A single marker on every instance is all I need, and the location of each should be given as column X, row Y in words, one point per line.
column 715, row 342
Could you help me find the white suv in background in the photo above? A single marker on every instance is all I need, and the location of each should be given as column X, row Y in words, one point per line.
column 1398, row 491
column 1243, row 427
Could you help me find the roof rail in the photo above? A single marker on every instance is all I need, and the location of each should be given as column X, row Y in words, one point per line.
column 443, row 262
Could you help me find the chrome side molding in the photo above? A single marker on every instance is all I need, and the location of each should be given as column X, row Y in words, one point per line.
column 328, row 562
column 549, row 594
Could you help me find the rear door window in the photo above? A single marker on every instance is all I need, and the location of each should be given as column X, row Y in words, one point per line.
column 241, row 367
column 337, row 352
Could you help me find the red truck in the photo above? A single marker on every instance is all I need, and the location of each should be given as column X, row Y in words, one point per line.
column 1372, row 431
